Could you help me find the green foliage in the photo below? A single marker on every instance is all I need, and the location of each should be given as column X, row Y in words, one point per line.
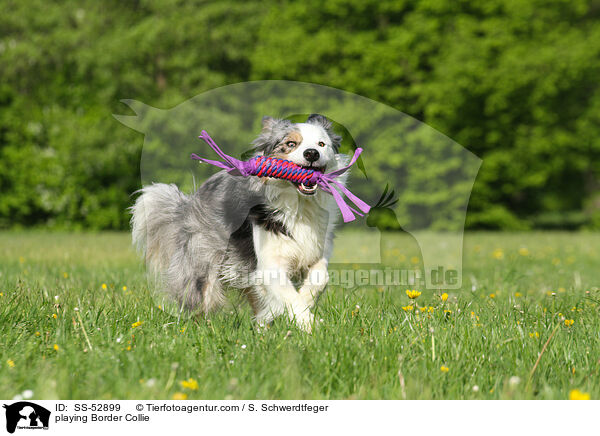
column 64, row 161
column 513, row 81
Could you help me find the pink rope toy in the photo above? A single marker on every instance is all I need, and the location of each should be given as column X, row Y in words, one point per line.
column 262, row 166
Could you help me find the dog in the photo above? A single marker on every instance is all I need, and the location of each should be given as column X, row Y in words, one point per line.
column 269, row 238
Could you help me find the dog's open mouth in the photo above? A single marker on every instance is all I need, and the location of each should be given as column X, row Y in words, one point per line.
column 308, row 189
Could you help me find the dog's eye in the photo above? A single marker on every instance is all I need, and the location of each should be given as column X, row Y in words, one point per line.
column 321, row 144
column 290, row 144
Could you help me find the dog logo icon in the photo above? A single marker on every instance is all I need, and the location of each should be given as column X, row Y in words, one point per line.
column 26, row 415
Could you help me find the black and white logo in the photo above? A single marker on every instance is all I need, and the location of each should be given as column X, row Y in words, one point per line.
column 26, row 415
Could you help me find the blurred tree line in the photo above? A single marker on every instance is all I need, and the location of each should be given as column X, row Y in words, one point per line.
column 514, row 81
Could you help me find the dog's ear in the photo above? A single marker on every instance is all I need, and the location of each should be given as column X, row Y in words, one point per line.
column 273, row 131
column 268, row 122
column 320, row 120
column 271, row 125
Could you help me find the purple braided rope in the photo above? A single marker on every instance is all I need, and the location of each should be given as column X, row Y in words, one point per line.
column 284, row 169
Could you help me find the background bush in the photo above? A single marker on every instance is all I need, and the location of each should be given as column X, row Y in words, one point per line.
column 515, row 82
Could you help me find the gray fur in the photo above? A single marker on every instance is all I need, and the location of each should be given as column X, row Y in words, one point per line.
column 186, row 239
column 273, row 132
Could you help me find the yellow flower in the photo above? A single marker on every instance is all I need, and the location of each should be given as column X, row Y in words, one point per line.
column 54, row 315
column 104, row 286
column 124, row 288
column 412, row 294
column 422, row 309
column 518, row 294
column 534, row 335
column 56, row 347
column 447, row 311
column 444, row 296
column 414, row 260
column 523, row 251
column 179, row 396
column 10, row 363
column 498, row 254
column 407, row 308
column 128, row 348
column 65, row 275
column 444, row 368
column 576, row 394
column 136, row 324
column 430, row 309
column 492, row 295
column 189, row 384
column 1, row 294
column 569, row 322
column 556, row 261
column 21, row 259
column 474, row 315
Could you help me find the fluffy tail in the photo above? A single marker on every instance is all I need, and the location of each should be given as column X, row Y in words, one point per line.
column 155, row 223
column 166, row 230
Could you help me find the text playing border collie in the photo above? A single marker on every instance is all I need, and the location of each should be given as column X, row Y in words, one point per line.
column 269, row 238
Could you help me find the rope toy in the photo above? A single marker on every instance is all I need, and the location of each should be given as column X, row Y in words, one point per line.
column 262, row 166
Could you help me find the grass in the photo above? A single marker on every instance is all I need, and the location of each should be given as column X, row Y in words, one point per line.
column 518, row 291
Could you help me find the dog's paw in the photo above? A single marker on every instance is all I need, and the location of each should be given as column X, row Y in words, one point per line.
column 305, row 322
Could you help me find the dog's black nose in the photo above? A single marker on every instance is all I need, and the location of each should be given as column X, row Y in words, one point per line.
column 311, row 155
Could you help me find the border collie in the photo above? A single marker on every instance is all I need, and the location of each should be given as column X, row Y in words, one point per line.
column 269, row 238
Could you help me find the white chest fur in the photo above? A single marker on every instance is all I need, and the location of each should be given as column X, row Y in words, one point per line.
column 305, row 221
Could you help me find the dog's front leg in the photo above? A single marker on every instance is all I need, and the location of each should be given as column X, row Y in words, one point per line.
column 315, row 283
column 274, row 292
column 277, row 295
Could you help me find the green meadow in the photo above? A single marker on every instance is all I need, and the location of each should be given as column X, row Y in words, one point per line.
column 77, row 321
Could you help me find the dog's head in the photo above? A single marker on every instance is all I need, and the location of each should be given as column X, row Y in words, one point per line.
column 312, row 144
